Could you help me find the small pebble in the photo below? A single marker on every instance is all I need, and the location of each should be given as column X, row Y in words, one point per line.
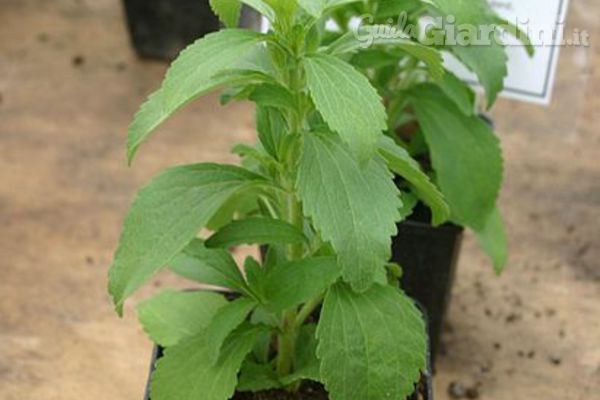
column 561, row 334
column 555, row 359
column 42, row 37
column 78, row 61
column 472, row 393
column 456, row 390
column 512, row 318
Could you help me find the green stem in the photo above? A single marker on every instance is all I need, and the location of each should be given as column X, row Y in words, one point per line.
column 307, row 310
column 287, row 337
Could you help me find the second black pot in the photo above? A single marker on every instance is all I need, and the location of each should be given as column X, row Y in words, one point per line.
column 428, row 256
column 160, row 29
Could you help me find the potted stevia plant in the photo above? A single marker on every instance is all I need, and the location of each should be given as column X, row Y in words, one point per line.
column 432, row 114
column 322, row 315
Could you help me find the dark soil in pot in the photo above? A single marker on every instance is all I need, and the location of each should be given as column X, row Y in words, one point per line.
column 308, row 391
column 428, row 256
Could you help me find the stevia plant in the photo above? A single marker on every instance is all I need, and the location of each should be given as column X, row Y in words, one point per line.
column 432, row 113
column 317, row 191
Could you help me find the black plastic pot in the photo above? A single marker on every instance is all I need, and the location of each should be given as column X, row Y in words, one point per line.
column 160, row 29
column 424, row 390
column 428, row 256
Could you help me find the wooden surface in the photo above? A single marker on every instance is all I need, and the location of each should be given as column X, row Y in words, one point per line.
column 69, row 84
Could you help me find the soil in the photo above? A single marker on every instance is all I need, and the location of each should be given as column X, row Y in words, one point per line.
column 69, row 84
column 307, row 392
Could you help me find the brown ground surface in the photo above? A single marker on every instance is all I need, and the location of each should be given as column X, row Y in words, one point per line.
column 534, row 333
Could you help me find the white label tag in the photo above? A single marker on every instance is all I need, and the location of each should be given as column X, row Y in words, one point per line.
column 530, row 79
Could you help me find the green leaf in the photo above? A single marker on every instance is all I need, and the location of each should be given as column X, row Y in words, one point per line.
column 172, row 316
column 313, row 7
column 317, row 8
column 349, row 43
column 256, row 377
column 409, row 201
column 372, row 345
column 273, row 95
column 190, row 76
column 517, row 33
column 393, row 8
column 186, row 373
column 488, row 62
column 166, row 215
column 295, row 282
column 353, row 207
column 374, row 58
column 402, row 164
column 256, row 230
column 209, row 266
column 225, row 321
column 459, row 92
column 228, row 11
column 347, row 102
column 271, row 126
column 465, row 154
column 240, row 204
column 262, row 7
column 492, row 238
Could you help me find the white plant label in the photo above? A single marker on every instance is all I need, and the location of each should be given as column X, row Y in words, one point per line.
column 531, row 79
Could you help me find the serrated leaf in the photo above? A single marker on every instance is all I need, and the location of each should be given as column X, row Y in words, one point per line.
column 256, row 230
column 492, row 238
column 228, row 11
column 166, row 215
column 225, row 321
column 488, row 62
column 295, row 282
column 465, row 153
column 409, row 201
column 372, row 346
column 347, row 102
column 353, row 207
column 209, row 266
column 186, row 373
column 459, row 92
column 349, row 43
column 172, row 316
column 402, row 164
column 191, row 75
